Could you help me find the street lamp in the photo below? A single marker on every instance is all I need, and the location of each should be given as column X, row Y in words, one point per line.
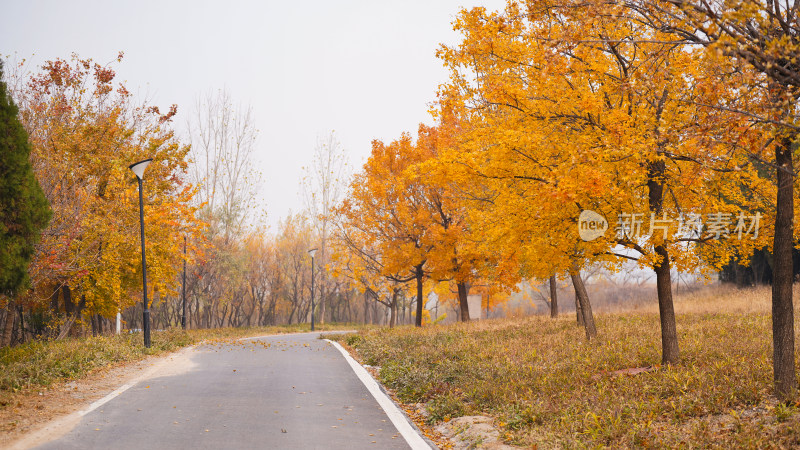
column 183, row 285
column 138, row 169
column 312, row 252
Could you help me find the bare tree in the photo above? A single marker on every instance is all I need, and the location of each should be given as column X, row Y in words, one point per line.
column 223, row 139
column 223, row 143
column 323, row 185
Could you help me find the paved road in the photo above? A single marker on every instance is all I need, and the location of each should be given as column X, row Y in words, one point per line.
column 285, row 392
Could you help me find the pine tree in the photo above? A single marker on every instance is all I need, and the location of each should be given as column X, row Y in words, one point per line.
column 24, row 210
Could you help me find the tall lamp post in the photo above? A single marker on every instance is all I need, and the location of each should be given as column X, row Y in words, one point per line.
column 138, row 169
column 312, row 252
column 183, row 286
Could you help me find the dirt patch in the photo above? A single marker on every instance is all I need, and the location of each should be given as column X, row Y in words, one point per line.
column 470, row 432
column 32, row 417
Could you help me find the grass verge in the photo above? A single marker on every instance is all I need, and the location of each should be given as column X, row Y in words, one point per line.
column 547, row 387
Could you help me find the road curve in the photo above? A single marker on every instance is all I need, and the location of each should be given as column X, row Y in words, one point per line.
column 283, row 392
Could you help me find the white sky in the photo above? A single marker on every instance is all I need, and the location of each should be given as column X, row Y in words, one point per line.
column 366, row 69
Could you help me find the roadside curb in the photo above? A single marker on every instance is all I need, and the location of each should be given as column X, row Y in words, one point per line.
column 401, row 421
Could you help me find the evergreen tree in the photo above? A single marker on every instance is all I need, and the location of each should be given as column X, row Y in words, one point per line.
column 24, row 210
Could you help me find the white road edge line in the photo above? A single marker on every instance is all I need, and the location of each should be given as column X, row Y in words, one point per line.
column 395, row 415
column 141, row 377
column 107, row 398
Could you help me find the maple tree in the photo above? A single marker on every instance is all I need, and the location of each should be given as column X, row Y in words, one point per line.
column 84, row 131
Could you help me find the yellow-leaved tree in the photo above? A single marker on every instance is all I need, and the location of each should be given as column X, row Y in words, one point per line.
column 85, row 129
column 759, row 40
column 577, row 107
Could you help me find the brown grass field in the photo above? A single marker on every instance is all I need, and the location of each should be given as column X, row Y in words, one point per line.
column 545, row 386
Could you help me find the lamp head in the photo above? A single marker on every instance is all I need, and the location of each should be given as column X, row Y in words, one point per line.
column 138, row 167
column 312, row 252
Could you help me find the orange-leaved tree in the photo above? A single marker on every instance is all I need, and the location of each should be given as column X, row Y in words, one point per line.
column 85, row 129
column 577, row 107
column 382, row 221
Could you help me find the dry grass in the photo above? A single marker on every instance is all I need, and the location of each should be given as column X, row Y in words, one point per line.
column 546, row 386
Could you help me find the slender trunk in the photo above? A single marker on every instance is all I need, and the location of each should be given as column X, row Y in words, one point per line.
column 291, row 314
column 578, row 311
column 462, row 301
column 419, row 273
column 393, row 310
column 322, row 302
column 349, row 310
column 366, row 308
column 783, row 270
column 69, row 306
column 583, row 301
column 20, row 311
column 553, row 297
column 9, row 324
column 54, row 300
column 666, row 311
column 669, row 334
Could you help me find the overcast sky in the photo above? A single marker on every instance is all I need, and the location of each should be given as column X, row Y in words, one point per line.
column 366, row 69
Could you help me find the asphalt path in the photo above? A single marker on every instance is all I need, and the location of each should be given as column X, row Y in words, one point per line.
column 285, row 392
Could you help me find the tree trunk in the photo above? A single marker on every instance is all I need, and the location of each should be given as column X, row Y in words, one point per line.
column 553, row 297
column 583, row 301
column 420, row 303
column 54, row 300
column 666, row 311
column 9, row 324
column 69, row 306
column 462, row 301
column 366, row 308
column 578, row 311
column 322, row 296
column 782, row 272
column 22, row 330
column 393, row 310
